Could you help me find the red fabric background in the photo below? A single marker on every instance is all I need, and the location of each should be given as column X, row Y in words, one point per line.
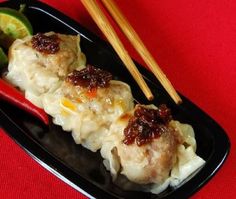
column 195, row 44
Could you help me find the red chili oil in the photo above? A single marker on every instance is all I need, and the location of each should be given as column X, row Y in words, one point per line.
column 147, row 124
column 90, row 77
column 46, row 44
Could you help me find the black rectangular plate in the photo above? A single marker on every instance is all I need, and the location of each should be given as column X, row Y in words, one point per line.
column 81, row 168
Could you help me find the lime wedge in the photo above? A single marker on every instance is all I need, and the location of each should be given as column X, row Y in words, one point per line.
column 14, row 23
column 3, row 58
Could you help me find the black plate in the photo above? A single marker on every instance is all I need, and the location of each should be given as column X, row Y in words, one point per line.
column 80, row 168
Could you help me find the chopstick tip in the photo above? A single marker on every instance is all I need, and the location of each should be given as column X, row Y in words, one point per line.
column 177, row 99
column 150, row 98
column 179, row 102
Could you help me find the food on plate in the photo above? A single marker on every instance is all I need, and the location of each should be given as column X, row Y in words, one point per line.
column 143, row 143
column 38, row 64
column 14, row 23
column 86, row 103
column 150, row 148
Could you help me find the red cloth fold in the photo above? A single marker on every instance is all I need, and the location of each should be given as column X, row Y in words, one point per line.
column 194, row 42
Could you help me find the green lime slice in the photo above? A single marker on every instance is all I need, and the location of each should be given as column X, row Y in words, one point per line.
column 3, row 58
column 14, row 23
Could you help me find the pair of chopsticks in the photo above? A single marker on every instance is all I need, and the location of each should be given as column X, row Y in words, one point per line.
column 103, row 23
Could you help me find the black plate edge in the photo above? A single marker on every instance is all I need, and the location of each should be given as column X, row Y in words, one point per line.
column 188, row 104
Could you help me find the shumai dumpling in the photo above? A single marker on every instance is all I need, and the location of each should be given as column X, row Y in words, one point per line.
column 145, row 145
column 88, row 112
column 38, row 64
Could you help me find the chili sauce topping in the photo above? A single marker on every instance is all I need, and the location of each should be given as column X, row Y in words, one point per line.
column 46, row 44
column 90, row 77
column 147, row 124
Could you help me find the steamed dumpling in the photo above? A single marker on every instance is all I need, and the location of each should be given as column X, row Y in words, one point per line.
column 148, row 163
column 88, row 115
column 154, row 161
column 37, row 72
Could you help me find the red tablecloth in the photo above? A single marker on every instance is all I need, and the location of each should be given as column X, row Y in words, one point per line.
column 195, row 44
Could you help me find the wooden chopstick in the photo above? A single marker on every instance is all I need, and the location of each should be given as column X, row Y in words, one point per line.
column 141, row 49
column 103, row 23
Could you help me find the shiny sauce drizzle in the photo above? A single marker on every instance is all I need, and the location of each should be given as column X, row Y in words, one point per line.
column 90, row 78
column 147, row 124
column 46, row 44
